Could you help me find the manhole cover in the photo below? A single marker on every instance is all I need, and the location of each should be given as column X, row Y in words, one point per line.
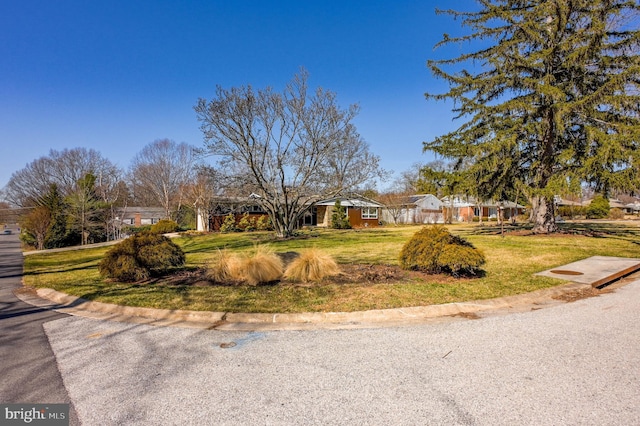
column 565, row 272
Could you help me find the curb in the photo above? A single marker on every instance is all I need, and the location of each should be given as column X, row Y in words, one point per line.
column 61, row 302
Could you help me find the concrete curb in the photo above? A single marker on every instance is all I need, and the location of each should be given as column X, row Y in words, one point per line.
column 61, row 302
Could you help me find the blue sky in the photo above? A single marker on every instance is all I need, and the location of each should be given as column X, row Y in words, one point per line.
column 117, row 75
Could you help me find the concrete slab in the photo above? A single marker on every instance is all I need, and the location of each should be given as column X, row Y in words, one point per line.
column 595, row 271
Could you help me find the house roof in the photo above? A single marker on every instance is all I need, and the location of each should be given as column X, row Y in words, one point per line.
column 145, row 212
column 353, row 201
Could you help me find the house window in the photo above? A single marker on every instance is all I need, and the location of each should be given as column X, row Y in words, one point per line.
column 369, row 212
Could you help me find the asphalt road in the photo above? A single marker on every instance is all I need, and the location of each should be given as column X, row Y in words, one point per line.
column 569, row 364
column 28, row 369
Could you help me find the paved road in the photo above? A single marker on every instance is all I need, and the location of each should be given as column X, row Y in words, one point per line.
column 570, row 364
column 28, row 369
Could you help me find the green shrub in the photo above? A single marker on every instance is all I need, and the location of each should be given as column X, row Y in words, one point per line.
column 140, row 257
column 165, row 226
column 247, row 223
column 460, row 259
column 311, row 265
column 229, row 224
column 598, row 208
column 339, row 218
column 434, row 250
column 263, row 223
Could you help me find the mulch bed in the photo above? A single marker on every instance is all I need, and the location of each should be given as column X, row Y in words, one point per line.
column 350, row 274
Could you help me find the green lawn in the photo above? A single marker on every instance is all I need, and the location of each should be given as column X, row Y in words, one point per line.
column 511, row 262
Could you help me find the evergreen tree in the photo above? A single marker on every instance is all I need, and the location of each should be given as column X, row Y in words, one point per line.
column 85, row 210
column 339, row 218
column 58, row 235
column 551, row 99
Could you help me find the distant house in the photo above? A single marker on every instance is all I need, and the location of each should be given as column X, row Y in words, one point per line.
column 421, row 208
column 465, row 209
column 632, row 208
column 139, row 216
column 361, row 211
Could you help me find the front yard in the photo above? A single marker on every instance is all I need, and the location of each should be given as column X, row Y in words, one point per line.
column 370, row 276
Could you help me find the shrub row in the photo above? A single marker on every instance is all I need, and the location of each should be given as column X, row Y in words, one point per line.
column 246, row 223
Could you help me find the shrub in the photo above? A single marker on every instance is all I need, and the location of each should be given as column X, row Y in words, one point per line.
column 263, row 223
column 598, row 208
column 140, row 257
column 165, row 226
column 616, row 214
column 311, row 265
column 460, row 259
column 229, row 224
column 339, row 218
column 433, row 250
column 247, row 223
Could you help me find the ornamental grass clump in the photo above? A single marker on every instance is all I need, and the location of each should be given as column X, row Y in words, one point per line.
column 141, row 256
column 311, row 265
column 435, row 250
column 224, row 267
column 262, row 266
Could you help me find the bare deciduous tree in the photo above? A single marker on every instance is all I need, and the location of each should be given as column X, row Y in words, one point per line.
column 202, row 192
column 294, row 148
column 160, row 172
column 64, row 169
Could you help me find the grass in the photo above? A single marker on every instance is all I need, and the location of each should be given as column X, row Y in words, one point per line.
column 511, row 262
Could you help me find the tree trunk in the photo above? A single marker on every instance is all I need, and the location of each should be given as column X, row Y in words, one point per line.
column 543, row 215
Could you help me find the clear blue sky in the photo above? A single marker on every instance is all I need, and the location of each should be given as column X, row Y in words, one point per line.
column 116, row 75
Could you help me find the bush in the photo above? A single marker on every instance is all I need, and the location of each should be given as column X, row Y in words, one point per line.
column 311, row 265
column 434, row 250
column 247, row 223
column 460, row 259
column 165, row 226
column 616, row 214
column 263, row 223
column 598, row 208
column 339, row 218
column 229, row 224
column 140, row 257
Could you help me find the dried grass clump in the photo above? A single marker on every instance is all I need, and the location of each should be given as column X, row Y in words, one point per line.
column 224, row 267
column 259, row 267
column 311, row 265
column 262, row 266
